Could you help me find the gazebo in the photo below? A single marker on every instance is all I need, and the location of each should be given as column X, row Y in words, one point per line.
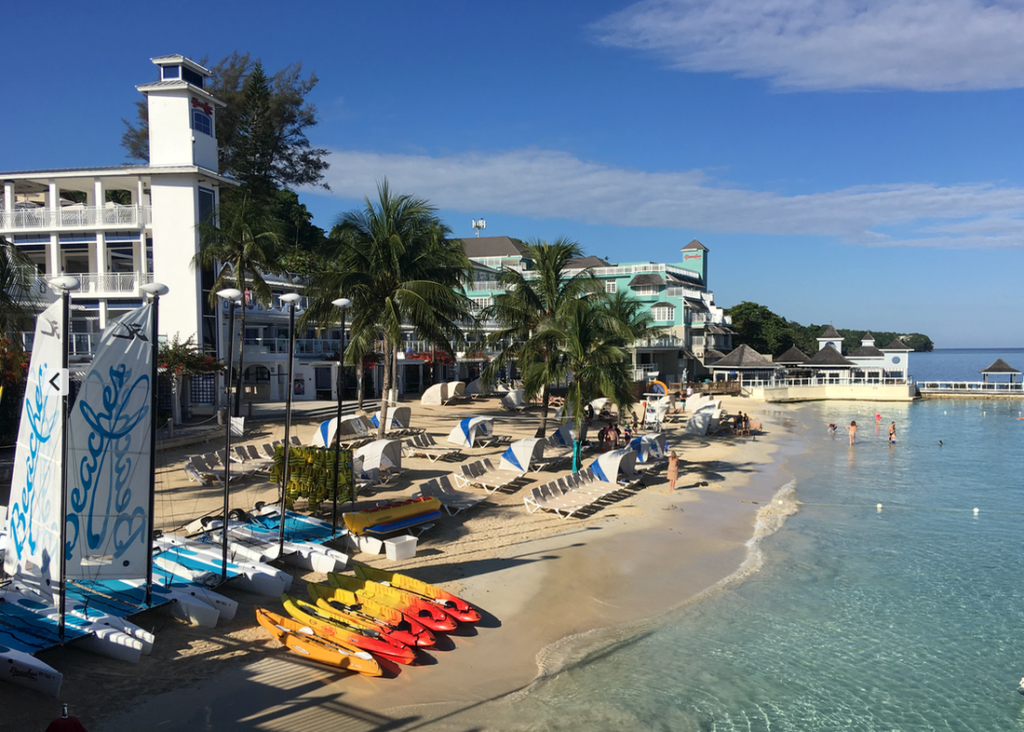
column 999, row 366
column 746, row 362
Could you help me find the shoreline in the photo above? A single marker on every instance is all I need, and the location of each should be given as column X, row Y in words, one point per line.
column 549, row 598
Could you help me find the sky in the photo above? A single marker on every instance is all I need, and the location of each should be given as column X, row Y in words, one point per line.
column 855, row 162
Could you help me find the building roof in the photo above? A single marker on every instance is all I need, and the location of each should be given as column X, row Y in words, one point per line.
column 867, row 352
column 712, row 353
column 830, row 332
column 695, row 245
column 587, row 263
column 663, row 304
column 648, row 278
column 828, row 356
column 695, row 304
column 745, row 357
column 867, row 337
column 716, row 329
column 177, row 58
column 999, row 366
column 897, row 345
column 491, row 246
column 793, row 355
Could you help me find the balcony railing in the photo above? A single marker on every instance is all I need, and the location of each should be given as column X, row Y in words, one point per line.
column 82, row 344
column 76, row 217
column 121, row 283
column 317, row 348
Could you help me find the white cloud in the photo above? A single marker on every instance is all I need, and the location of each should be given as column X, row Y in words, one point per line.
column 544, row 184
column 925, row 45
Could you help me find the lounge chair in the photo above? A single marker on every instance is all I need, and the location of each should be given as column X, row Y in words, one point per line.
column 552, row 497
column 483, row 474
column 450, row 497
column 199, row 470
column 424, row 445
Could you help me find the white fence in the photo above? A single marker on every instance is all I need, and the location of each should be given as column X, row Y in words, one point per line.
column 74, row 217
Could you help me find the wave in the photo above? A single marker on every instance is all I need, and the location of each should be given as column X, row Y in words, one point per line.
column 582, row 648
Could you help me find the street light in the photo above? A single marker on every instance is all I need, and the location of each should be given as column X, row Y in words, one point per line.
column 343, row 304
column 65, row 284
column 231, row 295
column 155, row 290
column 291, row 298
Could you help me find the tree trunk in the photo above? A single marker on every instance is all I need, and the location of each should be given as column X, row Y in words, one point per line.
column 385, row 388
column 394, row 373
column 241, row 359
column 545, row 401
column 359, row 385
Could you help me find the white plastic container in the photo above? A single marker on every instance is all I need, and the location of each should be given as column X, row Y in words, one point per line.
column 369, row 544
column 399, row 548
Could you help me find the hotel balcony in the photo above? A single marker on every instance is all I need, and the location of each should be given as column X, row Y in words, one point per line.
column 74, row 218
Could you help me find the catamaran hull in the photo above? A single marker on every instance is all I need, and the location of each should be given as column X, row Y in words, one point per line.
column 18, row 667
column 254, row 577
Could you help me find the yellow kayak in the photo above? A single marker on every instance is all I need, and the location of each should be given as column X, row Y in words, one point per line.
column 454, row 606
column 301, row 639
column 370, row 614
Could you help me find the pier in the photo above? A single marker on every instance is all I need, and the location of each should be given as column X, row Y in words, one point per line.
column 972, row 389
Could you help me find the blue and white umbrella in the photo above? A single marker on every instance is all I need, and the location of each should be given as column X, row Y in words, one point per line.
column 521, row 453
column 611, row 464
column 466, row 432
column 650, row 448
column 398, row 418
column 563, row 435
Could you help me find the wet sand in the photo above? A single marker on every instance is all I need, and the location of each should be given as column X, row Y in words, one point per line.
column 550, row 591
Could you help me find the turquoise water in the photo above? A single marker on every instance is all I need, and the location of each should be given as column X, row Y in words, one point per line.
column 906, row 618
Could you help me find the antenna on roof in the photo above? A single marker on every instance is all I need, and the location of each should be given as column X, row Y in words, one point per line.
column 479, row 224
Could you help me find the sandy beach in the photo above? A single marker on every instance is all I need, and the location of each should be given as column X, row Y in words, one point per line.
column 551, row 591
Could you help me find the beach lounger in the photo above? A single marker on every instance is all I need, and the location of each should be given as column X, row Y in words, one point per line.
column 424, row 445
column 551, row 498
column 482, row 474
column 197, row 469
column 450, row 497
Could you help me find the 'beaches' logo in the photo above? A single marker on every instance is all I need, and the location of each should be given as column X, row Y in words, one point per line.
column 691, row 256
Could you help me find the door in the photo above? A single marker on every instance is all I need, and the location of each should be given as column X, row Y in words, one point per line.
column 322, row 381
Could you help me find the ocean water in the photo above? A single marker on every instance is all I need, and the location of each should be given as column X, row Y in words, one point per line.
column 901, row 618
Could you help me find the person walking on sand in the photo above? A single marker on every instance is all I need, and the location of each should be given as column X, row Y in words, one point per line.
column 852, row 430
column 892, row 433
column 673, row 470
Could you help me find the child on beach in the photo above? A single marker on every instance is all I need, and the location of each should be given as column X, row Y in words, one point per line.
column 852, row 430
column 832, row 428
column 673, row 470
column 892, row 433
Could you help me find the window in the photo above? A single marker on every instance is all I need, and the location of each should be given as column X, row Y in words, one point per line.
column 610, row 287
column 646, row 289
column 171, row 72
column 202, row 122
column 663, row 313
column 481, row 302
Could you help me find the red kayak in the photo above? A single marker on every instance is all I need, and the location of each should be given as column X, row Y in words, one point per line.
column 371, row 615
column 346, row 635
column 412, row 606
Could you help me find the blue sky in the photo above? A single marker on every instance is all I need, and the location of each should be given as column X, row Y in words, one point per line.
column 854, row 162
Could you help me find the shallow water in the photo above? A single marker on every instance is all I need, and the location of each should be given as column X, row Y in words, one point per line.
column 906, row 618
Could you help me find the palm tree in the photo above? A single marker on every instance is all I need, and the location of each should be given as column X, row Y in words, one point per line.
column 531, row 301
column 16, row 296
column 397, row 263
column 246, row 245
column 590, row 353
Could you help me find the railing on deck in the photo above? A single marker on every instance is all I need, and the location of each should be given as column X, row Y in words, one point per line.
column 967, row 387
column 72, row 217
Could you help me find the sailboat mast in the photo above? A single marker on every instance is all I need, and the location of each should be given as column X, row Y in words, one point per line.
column 154, row 289
column 66, row 285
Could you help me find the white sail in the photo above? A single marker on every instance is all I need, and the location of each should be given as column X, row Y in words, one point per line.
column 109, row 459
column 33, row 532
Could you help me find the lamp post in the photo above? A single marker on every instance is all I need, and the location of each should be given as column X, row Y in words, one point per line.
column 343, row 304
column 155, row 290
column 231, row 295
column 291, row 298
column 65, row 284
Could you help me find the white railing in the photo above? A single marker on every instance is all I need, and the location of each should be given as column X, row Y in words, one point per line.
column 81, row 344
column 661, row 342
column 113, row 283
column 773, row 383
column 955, row 387
column 304, row 347
column 484, row 286
column 683, row 292
column 74, row 217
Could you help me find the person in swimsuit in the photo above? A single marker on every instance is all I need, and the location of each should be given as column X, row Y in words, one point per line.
column 852, row 430
column 892, row 433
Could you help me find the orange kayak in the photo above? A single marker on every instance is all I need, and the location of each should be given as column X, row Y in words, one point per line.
column 301, row 639
column 370, row 614
column 348, row 636
column 454, row 606
column 412, row 606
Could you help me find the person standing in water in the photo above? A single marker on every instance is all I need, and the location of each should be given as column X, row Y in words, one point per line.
column 892, row 433
column 852, row 430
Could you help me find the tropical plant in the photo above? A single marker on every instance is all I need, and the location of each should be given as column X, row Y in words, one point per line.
column 531, row 301
column 244, row 244
column 17, row 275
column 397, row 263
column 589, row 354
column 178, row 360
